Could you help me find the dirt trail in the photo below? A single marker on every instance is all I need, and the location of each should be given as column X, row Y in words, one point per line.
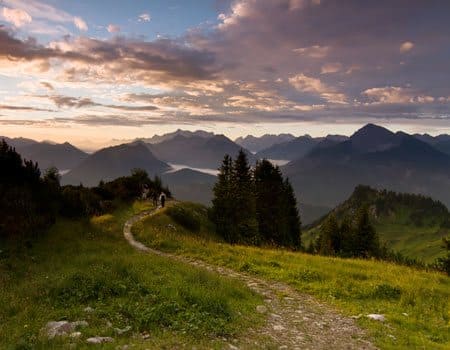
column 294, row 320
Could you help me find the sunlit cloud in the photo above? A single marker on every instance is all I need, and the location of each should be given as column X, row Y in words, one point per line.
column 17, row 17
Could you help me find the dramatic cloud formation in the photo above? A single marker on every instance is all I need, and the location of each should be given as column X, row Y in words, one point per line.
column 262, row 61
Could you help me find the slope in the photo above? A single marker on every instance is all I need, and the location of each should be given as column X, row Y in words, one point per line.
column 112, row 162
column 411, row 224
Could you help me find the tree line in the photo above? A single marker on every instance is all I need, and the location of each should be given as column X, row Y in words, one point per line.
column 31, row 201
column 255, row 206
column 349, row 238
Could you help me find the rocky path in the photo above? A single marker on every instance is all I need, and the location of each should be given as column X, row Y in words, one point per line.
column 294, row 320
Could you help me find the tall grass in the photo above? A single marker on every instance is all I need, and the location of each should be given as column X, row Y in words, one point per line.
column 89, row 264
column 415, row 303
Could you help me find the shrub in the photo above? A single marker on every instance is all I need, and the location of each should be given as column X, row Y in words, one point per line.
column 184, row 217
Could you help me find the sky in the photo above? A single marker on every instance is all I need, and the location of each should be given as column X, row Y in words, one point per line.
column 95, row 72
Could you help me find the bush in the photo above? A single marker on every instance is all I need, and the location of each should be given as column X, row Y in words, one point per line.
column 184, row 217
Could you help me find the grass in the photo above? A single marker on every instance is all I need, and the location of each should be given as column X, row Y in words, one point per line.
column 415, row 303
column 80, row 264
column 423, row 242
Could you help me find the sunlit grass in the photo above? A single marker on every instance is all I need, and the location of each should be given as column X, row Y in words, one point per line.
column 88, row 263
column 415, row 303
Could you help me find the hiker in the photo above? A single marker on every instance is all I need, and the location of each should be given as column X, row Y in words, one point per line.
column 162, row 199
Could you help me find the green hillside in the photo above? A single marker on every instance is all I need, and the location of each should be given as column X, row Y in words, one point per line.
column 415, row 303
column 139, row 300
column 413, row 225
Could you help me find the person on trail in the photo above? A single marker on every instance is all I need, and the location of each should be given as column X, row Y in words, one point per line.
column 162, row 199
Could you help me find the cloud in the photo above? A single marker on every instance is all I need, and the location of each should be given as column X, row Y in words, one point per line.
column 113, row 28
column 80, row 23
column 312, row 85
column 331, row 68
column 315, row 51
column 47, row 85
column 16, row 16
column 395, row 95
column 82, row 102
column 24, row 108
column 406, row 46
column 144, row 17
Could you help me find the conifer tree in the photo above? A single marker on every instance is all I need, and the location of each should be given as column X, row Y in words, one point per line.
column 244, row 204
column 366, row 238
column 328, row 236
column 293, row 233
column 269, row 191
column 222, row 209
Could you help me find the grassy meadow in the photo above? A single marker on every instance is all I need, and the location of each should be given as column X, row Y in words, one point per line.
column 415, row 303
column 80, row 264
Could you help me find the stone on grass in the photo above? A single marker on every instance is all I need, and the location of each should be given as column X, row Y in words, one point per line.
column 261, row 309
column 377, row 317
column 99, row 340
column 62, row 328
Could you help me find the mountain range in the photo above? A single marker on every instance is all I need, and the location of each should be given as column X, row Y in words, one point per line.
column 197, row 151
column 112, row 162
column 63, row 156
column 256, row 144
column 372, row 156
column 324, row 171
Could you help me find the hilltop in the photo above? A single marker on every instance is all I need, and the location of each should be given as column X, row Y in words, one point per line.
column 413, row 225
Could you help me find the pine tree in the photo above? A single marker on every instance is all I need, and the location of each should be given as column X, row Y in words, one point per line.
column 328, row 236
column 268, row 188
column 366, row 238
column 244, row 201
column 293, row 234
column 222, row 209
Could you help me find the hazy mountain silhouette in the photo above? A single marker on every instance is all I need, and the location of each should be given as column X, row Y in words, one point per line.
column 372, row 156
column 112, row 162
column 196, row 151
column 440, row 142
column 64, row 156
column 256, row 144
column 298, row 147
column 190, row 185
column 18, row 142
column 161, row 138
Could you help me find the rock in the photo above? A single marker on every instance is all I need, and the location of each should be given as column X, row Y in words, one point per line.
column 145, row 335
column 79, row 324
column 62, row 328
column 377, row 317
column 278, row 327
column 75, row 334
column 261, row 309
column 123, row 330
column 99, row 340
column 232, row 347
column 405, row 314
column 58, row 328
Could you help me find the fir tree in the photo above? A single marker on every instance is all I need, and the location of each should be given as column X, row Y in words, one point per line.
column 329, row 234
column 244, row 206
column 293, row 234
column 222, row 209
column 366, row 238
